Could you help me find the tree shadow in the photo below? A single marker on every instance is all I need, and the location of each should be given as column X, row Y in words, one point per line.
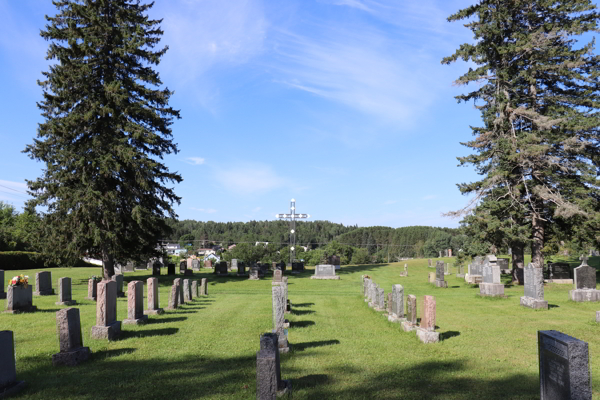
column 553, row 306
column 310, row 381
column 301, row 324
column 165, row 320
column 303, row 304
column 448, row 334
column 180, row 311
column 49, row 310
column 302, row 312
column 103, row 354
column 124, row 335
column 308, row 345
column 359, row 268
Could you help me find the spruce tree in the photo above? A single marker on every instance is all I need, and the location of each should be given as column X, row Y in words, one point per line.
column 106, row 128
column 539, row 97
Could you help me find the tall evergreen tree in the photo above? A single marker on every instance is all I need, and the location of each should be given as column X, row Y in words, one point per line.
column 106, row 127
column 539, row 94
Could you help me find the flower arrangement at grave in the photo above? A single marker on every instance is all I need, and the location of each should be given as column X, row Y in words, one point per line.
column 20, row 280
column 96, row 278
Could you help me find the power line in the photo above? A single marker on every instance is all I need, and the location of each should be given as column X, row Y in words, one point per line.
column 18, row 191
column 283, row 243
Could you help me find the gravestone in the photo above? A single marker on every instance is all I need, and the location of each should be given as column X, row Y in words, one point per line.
column 335, row 261
column 152, row 297
column 107, row 326
column 241, row 268
column 43, row 284
column 534, row 288
column 204, row 287
column 460, row 271
column 183, row 268
column 297, row 267
column 194, row 289
column 324, row 271
column 440, row 268
column 92, row 289
column 366, row 282
column 503, row 264
column 277, row 276
column 475, row 273
column 564, row 367
column 2, row 292
column 173, row 297
column 380, row 305
column 269, row 384
column 429, row 263
column 195, row 264
column 234, row 264
column 426, row 330
column 208, row 263
column 491, row 285
column 446, row 269
column 135, row 304
column 397, row 306
column 177, row 281
column 129, row 267
column 190, row 263
column 584, row 284
column 19, row 299
column 405, row 273
column 221, row 268
column 411, row 314
column 372, row 294
column 70, row 340
column 118, row 278
column 559, row 273
column 254, row 273
column 8, row 373
column 279, row 307
column 187, row 291
column 388, row 305
column 156, row 266
column 431, row 276
column 170, row 269
column 64, row 292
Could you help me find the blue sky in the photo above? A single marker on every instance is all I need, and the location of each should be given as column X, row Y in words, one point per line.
column 341, row 104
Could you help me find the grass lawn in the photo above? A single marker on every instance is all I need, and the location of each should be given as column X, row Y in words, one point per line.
column 340, row 348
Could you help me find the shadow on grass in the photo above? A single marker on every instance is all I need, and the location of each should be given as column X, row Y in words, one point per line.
column 448, row 334
column 51, row 310
column 302, row 312
column 103, row 354
column 124, row 335
column 303, row 304
column 308, row 345
column 180, row 311
column 153, row 321
column 553, row 306
column 310, row 381
column 301, row 324
column 359, row 268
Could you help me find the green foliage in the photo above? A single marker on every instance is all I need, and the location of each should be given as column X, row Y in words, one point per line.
column 17, row 230
column 104, row 133
column 361, row 256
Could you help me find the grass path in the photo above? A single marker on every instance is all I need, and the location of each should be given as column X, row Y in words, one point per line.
column 340, row 348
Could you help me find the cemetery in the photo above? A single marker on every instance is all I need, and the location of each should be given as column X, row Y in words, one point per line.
column 330, row 343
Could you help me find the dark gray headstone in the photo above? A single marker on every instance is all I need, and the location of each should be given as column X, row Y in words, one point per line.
column 268, row 371
column 439, row 271
column 503, row 263
column 564, row 367
column 43, row 284
column 585, row 277
column 559, row 271
column 8, row 370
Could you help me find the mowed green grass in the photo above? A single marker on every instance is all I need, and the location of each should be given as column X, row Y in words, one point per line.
column 340, row 348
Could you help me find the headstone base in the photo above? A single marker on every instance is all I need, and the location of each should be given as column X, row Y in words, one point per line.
column 582, row 295
column 48, row 292
column 426, row 336
column 473, row 279
column 110, row 332
column 66, row 303
column 559, row 281
column 379, row 308
column 395, row 318
column 137, row 321
column 407, row 326
column 447, row 273
column 534, row 303
column 22, row 310
column 71, row 358
column 11, row 389
column 443, row 284
column 330, row 277
column 253, row 278
column 491, row 289
column 403, row 273
column 154, row 312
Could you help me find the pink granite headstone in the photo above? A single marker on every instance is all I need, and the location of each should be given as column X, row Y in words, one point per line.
column 428, row 319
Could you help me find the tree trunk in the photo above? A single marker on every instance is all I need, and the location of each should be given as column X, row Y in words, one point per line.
column 108, row 264
column 518, row 262
column 537, row 225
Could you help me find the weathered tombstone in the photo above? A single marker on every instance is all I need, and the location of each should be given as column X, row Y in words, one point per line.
column 194, row 289
column 411, row 314
column 460, row 271
column 277, row 275
column 2, row 292
column 152, row 299
column 234, row 264
column 503, row 265
column 431, row 277
column 135, row 304
column 366, row 282
column 177, row 281
column 440, row 254
column 397, row 307
column 279, row 307
column 8, row 373
column 426, row 331
column 173, row 297
column 129, row 267
column 208, row 263
column 446, row 269
column 324, row 271
column 204, row 287
column 388, row 305
column 118, row 278
column 405, row 273
column 183, row 268
column 475, row 273
column 585, row 284
column 564, row 367
column 372, row 294
column 19, row 299
column 380, row 306
column 43, row 284
column 241, row 268
column 534, row 288
column 254, row 275
column 429, row 263
column 439, row 275
column 491, row 285
column 170, row 269
column 64, row 292
column 156, row 266
column 190, row 263
column 70, row 340
column 559, row 273
column 269, row 384
column 92, row 289
column 195, row 264
column 187, row 291
column 335, row 261
column 107, row 326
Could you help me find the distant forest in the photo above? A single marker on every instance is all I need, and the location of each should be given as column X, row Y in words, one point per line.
column 379, row 241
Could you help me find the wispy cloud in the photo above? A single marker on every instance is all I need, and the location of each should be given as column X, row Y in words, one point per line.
column 250, row 179
column 13, row 192
column 204, row 210
column 195, row 160
column 352, row 3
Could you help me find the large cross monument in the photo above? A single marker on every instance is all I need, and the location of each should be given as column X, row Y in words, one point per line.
column 292, row 216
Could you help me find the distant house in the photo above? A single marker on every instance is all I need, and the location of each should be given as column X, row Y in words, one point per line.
column 179, row 252
column 212, row 256
column 231, row 247
column 171, row 247
column 263, row 243
column 205, row 252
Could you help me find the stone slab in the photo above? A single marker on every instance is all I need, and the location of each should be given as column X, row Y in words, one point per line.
column 71, row 358
column 584, row 295
column 43, row 284
column 491, row 289
column 427, row 336
column 110, row 332
column 536, row 304
column 325, row 277
column 442, row 284
column 408, row 327
column 559, row 281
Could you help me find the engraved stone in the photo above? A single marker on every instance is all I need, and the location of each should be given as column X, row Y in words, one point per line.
column 173, row 297
column 194, row 289
column 170, row 269
column 107, row 326
column 19, row 299
column 153, row 307
column 491, row 285
column 440, row 268
column 8, row 373
column 534, row 288
column 324, row 271
column 70, row 340
column 187, row 291
column 585, row 284
column 268, row 372
column 279, row 317
column 397, row 301
column 277, row 275
column 426, row 331
column 118, row 278
column 156, row 266
column 135, row 304
column 43, row 284
column 92, row 289
column 411, row 313
column 64, row 292
column 203, row 287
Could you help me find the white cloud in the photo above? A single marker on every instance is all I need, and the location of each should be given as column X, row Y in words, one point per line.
column 204, row 210
column 353, row 3
column 195, row 160
column 249, row 179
